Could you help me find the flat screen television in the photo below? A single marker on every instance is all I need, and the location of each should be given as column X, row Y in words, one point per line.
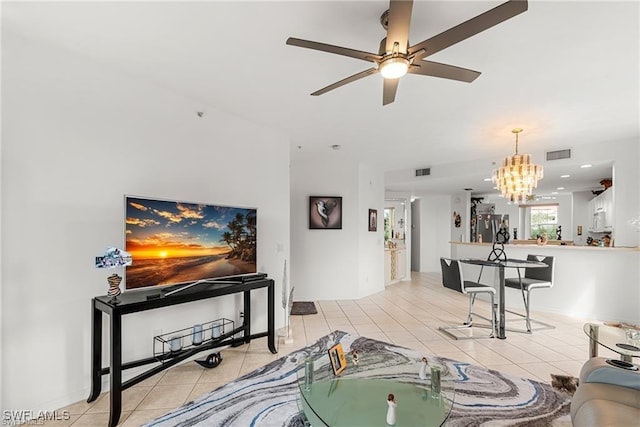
column 174, row 242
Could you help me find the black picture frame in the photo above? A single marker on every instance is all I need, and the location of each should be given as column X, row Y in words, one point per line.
column 325, row 213
column 373, row 220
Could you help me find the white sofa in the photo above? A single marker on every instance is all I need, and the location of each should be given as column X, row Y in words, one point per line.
column 606, row 396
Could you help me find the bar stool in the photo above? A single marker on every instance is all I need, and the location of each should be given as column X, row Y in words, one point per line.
column 452, row 278
column 534, row 278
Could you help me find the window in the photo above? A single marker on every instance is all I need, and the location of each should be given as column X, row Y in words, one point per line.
column 543, row 219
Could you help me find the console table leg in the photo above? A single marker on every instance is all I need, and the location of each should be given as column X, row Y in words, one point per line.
column 96, row 353
column 116, row 369
column 271, row 323
column 247, row 316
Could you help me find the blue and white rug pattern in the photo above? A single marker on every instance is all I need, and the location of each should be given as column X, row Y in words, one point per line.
column 268, row 396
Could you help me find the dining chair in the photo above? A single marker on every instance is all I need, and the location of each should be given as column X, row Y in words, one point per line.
column 453, row 278
column 534, row 278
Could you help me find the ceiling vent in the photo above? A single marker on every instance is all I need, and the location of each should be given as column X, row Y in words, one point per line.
column 559, row 154
column 423, row 172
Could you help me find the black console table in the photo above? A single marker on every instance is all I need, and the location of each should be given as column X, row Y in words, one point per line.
column 133, row 302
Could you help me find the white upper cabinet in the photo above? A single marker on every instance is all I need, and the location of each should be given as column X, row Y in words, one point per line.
column 600, row 211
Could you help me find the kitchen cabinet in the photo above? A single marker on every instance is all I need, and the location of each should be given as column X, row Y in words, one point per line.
column 600, row 212
column 395, row 265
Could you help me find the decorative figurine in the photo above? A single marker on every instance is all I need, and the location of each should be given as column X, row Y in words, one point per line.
column 423, row 369
column 542, row 239
column 391, row 412
column 354, row 357
column 559, row 233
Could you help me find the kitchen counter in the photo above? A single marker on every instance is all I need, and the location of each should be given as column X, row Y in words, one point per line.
column 551, row 246
column 597, row 283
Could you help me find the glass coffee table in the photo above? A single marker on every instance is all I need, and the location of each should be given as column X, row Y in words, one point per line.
column 358, row 395
column 624, row 341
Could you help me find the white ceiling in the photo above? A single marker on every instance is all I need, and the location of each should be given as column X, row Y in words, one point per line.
column 566, row 72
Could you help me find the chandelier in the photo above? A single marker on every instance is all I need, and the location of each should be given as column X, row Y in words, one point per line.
column 518, row 176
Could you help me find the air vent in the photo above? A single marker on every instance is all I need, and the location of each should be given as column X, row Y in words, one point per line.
column 423, row 172
column 559, row 154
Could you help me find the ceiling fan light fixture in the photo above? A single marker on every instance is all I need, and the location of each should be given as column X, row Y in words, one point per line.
column 394, row 68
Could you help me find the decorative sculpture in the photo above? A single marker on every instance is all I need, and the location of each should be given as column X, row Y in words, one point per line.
column 423, row 369
column 391, row 411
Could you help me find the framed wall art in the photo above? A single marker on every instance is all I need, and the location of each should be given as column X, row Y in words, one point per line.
column 373, row 220
column 325, row 213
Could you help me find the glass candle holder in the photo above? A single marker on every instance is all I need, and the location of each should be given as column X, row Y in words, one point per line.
column 435, row 381
column 196, row 337
column 175, row 343
column 308, row 374
column 215, row 330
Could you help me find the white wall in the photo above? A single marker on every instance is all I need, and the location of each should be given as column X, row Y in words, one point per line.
column 76, row 138
column 580, row 202
column 415, row 235
column 461, row 204
column 370, row 244
column 435, row 231
column 336, row 264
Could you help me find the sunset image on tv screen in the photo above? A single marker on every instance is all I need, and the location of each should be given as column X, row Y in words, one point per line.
column 176, row 242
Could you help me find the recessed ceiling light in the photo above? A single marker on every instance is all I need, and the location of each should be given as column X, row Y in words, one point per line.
column 565, row 176
column 560, row 188
column 585, row 166
column 554, row 192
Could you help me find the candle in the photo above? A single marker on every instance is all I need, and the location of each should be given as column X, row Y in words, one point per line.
column 175, row 344
column 196, row 338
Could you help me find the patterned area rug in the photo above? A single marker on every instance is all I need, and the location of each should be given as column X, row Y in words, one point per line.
column 268, row 396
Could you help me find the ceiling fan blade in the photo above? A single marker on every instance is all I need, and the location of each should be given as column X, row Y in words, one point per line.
column 469, row 28
column 352, row 53
column 389, row 91
column 398, row 25
column 343, row 82
column 436, row 69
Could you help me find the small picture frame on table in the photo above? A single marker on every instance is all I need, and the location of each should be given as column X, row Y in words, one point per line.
column 338, row 359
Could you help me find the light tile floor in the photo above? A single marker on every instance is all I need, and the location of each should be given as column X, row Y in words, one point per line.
column 407, row 313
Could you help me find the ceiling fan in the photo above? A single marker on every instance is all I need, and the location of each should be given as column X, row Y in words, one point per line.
column 396, row 57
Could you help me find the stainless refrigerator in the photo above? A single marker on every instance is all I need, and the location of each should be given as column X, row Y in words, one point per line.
column 488, row 225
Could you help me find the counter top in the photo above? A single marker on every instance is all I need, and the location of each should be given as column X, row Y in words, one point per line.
column 552, row 246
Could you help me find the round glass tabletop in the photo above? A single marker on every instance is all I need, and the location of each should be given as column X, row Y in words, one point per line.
column 624, row 341
column 358, row 395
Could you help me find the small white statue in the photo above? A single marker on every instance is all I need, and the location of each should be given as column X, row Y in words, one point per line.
column 391, row 412
column 423, row 369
